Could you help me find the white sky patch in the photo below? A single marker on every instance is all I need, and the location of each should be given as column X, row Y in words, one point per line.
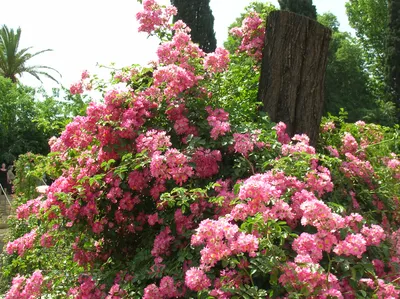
column 86, row 33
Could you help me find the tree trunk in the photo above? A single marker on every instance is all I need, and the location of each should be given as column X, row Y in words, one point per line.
column 293, row 72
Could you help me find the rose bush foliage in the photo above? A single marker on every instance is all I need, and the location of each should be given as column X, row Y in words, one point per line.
column 176, row 186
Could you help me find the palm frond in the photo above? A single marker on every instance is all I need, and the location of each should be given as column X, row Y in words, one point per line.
column 44, row 74
column 35, row 71
column 24, row 51
column 45, row 67
column 40, row 52
column 13, row 62
column 35, row 74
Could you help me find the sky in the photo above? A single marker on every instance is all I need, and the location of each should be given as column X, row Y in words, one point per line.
column 84, row 33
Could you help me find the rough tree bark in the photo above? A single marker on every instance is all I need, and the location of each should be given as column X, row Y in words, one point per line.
column 293, row 72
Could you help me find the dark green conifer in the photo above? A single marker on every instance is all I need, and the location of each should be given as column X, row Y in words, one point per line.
column 301, row 7
column 198, row 16
column 393, row 53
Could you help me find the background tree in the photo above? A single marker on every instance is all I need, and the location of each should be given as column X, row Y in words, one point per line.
column 393, row 54
column 55, row 111
column 301, row 7
column 347, row 81
column 18, row 132
column 14, row 62
column 198, row 16
column 28, row 118
column 370, row 20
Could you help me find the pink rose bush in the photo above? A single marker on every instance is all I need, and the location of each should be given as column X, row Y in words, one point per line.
column 84, row 84
column 252, row 34
column 26, row 288
column 166, row 190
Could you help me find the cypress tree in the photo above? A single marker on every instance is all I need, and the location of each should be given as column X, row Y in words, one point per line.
column 301, row 7
column 393, row 53
column 198, row 16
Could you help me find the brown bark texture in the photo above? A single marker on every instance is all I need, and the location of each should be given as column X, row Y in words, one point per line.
column 293, row 72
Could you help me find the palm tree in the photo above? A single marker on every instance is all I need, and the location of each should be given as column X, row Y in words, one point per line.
column 13, row 61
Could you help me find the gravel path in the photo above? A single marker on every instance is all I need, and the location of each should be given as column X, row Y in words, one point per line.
column 4, row 212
